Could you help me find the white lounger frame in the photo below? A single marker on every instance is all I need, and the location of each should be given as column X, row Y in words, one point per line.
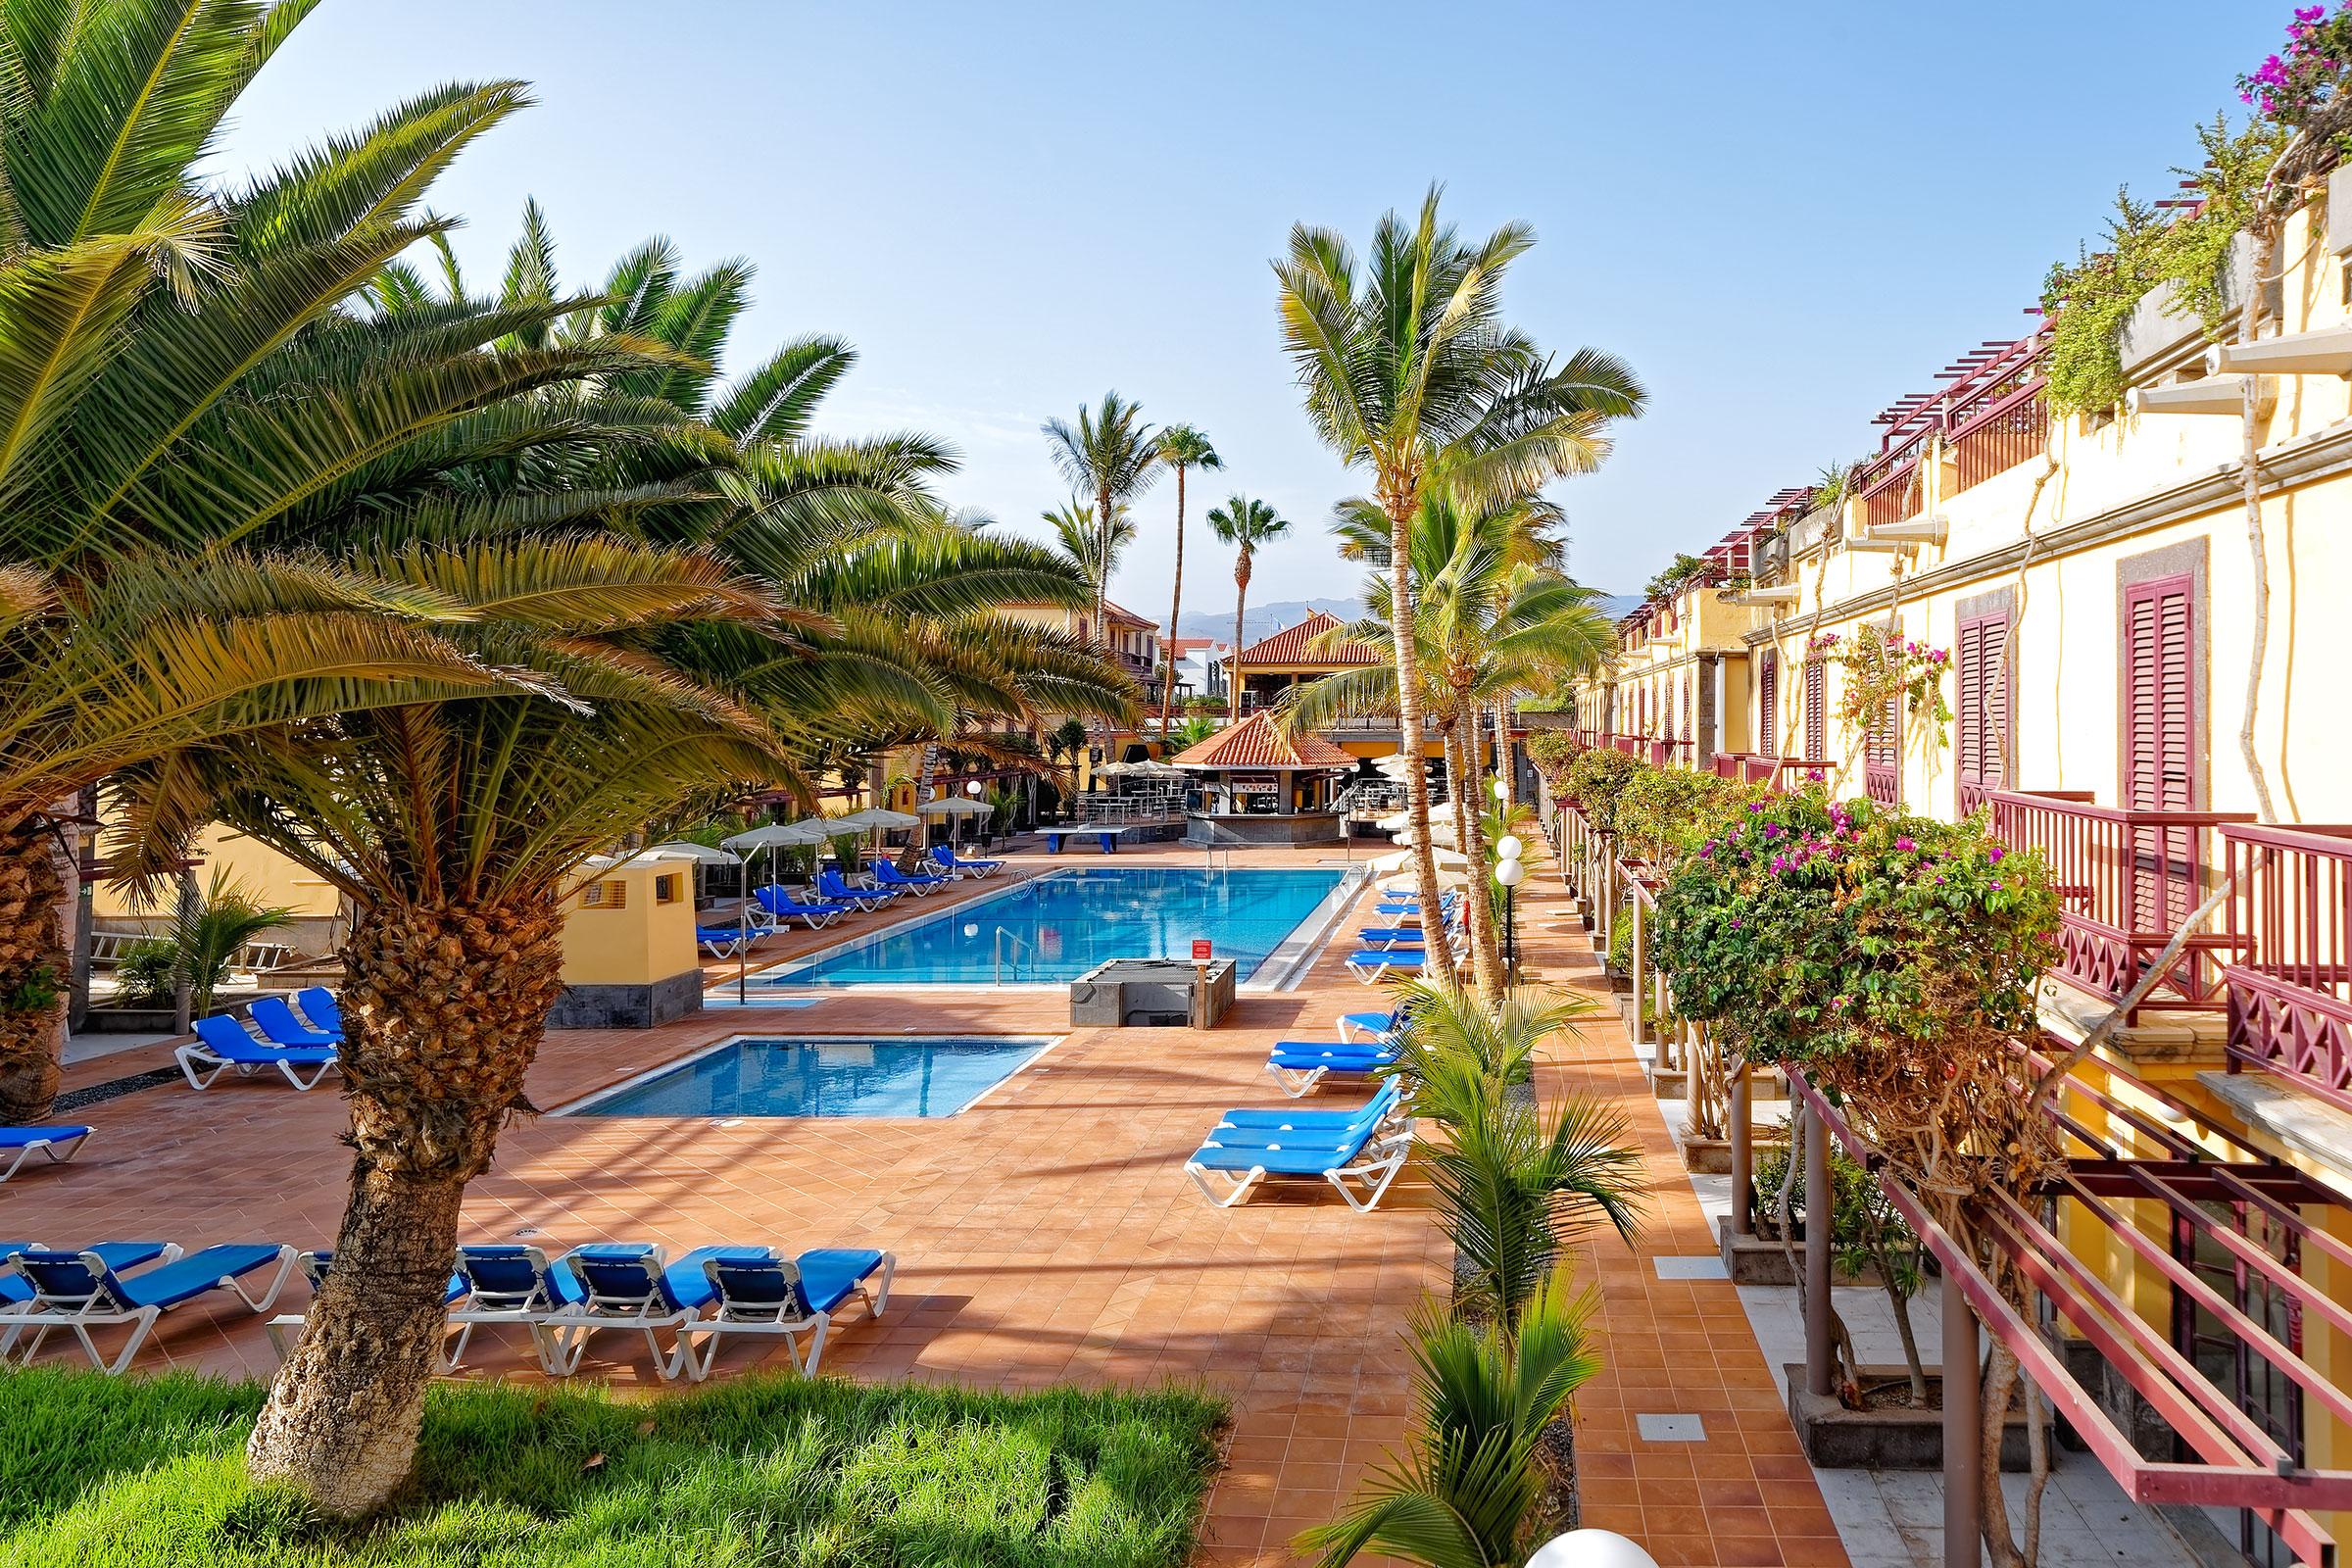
column 84, row 1313
column 1296, row 1081
column 196, row 1056
column 1375, row 1166
column 816, row 1325
column 45, row 1146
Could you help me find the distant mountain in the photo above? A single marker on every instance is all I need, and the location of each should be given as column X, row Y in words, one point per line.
column 1618, row 605
column 1264, row 620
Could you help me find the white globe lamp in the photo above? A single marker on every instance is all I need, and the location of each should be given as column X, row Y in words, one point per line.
column 1511, row 872
column 1500, row 788
column 972, row 789
column 1508, row 847
column 1590, row 1549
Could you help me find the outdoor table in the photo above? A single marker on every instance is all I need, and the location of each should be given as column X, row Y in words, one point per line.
column 1107, row 836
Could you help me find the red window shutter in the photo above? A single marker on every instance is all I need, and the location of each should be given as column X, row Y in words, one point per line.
column 2160, row 764
column 1982, row 760
column 1768, row 705
column 1817, row 709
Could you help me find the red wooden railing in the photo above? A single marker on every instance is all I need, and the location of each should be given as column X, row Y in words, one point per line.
column 2000, row 434
column 2289, row 976
column 2125, row 881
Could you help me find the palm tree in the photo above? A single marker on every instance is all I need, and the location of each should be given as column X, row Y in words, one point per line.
column 1245, row 524
column 1465, row 1494
column 1514, row 1194
column 1408, row 370
column 182, row 387
column 1487, row 626
column 1074, row 531
column 1111, row 454
column 1181, row 447
column 454, row 828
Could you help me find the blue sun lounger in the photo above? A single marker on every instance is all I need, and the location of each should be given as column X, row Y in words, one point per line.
column 1336, row 1125
column 60, row 1142
column 221, row 1043
column 16, row 1290
column 727, row 940
column 514, row 1286
column 767, row 1294
column 318, row 1004
column 1370, row 964
column 833, row 885
column 815, row 914
column 280, row 1027
column 1378, row 1027
column 1300, row 1064
column 79, row 1292
column 1362, row 1166
column 633, row 1285
column 945, row 855
column 921, row 885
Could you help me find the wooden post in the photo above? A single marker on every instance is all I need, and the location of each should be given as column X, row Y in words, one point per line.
column 1820, row 1370
column 1640, row 979
column 1743, row 1154
column 1963, row 1430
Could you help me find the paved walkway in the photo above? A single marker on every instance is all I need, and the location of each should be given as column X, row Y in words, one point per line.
column 1047, row 1234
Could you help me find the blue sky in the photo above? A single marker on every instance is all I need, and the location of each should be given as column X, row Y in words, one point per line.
column 1784, row 216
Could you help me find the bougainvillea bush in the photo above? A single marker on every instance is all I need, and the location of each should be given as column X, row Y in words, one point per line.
column 1893, row 958
column 1663, row 814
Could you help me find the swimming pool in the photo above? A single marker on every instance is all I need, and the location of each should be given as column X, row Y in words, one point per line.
column 822, row 1077
column 1055, row 928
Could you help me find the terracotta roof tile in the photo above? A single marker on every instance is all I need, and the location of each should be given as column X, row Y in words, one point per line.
column 1255, row 742
column 1290, row 646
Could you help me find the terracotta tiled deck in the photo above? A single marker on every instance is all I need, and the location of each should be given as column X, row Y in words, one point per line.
column 1047, row 1234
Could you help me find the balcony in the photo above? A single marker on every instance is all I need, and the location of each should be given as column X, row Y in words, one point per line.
column 2289, row 976
column 1773, row 772
column 2125, row 881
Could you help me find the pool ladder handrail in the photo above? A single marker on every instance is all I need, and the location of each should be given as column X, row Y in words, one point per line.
column 997, row 953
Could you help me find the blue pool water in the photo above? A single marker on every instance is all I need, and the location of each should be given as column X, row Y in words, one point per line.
column 824, row 1078
column 1059, row 926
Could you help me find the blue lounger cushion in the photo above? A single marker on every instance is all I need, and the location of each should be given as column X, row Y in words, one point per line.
column 317, row 1266
column 617, row 1269
column 279, row 1022
column 26, row 1137
column 226, row 1039
column 827, row 1277
column 829, row 1274
column 1393, row 958
column 1277, row 1162
column 502, row 1269
column 318, row 1004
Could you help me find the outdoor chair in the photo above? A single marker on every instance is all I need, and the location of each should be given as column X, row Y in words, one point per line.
column 1300, row 1064
column 768, row 1294
column 816, row 916
column 80, row 1292
column 221, row 1043
column 945, row 855
column 314, row 1265
column 514, row 1286
column 318, row 1004
column 280, row 1027
column 20, row 1144
column 1360, row 1168
column 921, row 886
column 633, row 1286
column 833, row 885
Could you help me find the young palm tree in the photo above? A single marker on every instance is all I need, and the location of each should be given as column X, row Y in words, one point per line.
column 1085, row 545
column 455, row 829
column 1515, row 1192
column 1465, row 1494
column 1111, row 454
column 1245, row 524
column 177, row 381
column 1181, row 448
column 1408, row 370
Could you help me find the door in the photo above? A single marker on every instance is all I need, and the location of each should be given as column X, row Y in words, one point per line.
column 2160, row 763
column 1768, row 705
column 1817, row 709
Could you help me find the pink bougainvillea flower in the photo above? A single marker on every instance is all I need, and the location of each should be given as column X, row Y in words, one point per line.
column 1906, row 845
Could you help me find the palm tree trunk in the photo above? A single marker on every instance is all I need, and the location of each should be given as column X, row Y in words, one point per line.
column 34, row 964
column 1241, row 601
column 1438, row 964
column 445, row 1007
column 1462, row 777
column 1167, row 690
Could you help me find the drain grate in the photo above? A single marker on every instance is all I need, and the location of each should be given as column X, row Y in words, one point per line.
column 113, row 1088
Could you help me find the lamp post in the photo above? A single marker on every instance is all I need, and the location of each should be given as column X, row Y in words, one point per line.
column 972, row 789
column 1509, row 872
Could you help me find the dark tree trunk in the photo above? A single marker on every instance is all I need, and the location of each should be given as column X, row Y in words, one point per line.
column 444, row 1009
column 1167, row 690
column 33, row 973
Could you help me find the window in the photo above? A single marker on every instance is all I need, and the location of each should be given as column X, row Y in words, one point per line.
column 666, row 888
column 2159, row 764
column 1982, row 761
column 1768, row 705
column 608, row 895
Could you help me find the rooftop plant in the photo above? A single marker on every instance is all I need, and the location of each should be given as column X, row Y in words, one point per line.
column 1685, row 569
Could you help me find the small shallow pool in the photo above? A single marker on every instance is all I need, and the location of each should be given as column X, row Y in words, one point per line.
column 823, row 1077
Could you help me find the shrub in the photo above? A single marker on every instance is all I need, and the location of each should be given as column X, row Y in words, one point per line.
column 1665, row 812
column 1596, row 779
column 144, row 978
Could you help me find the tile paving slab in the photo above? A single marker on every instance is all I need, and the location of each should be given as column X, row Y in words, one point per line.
column 1046, row 1235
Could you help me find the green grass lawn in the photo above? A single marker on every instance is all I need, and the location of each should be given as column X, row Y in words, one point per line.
column 110, row 1472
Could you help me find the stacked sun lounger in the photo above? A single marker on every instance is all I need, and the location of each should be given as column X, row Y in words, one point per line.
column 127, row 1285
column 1360, row 1151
